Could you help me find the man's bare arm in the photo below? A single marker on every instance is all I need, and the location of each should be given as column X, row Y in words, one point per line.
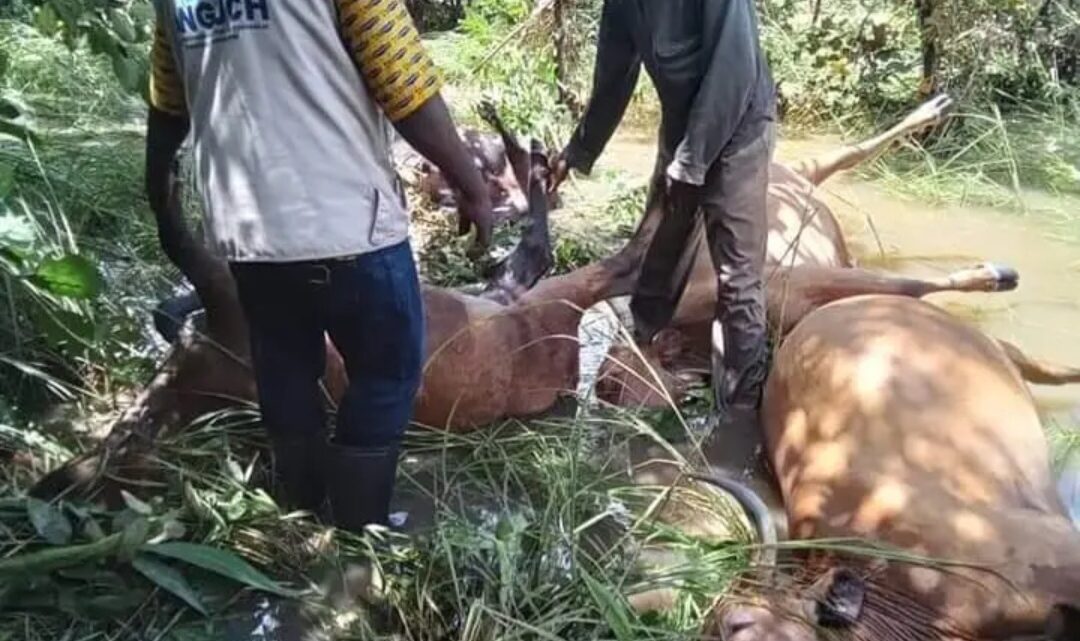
column 403, row 80
column 430, row 130
column 165, row 134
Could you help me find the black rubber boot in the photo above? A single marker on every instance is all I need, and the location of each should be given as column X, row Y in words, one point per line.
column 360, row 485
column 299, row 473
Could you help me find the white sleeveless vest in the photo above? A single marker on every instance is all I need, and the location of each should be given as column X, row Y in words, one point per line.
column 291, row 151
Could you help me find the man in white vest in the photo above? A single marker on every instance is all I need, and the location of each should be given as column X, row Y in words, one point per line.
column 289, row 103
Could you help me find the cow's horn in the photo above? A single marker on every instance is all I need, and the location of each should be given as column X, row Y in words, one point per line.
column 755, row 508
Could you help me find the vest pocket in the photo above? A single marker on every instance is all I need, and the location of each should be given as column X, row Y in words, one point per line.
column 389, row 223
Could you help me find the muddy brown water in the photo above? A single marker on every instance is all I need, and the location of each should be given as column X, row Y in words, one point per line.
column 900, row 235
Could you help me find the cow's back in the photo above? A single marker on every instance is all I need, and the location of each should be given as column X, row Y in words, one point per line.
column 888, row 420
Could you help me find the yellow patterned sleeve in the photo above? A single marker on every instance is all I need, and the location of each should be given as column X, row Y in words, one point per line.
column 386, row 47
column 166, row 88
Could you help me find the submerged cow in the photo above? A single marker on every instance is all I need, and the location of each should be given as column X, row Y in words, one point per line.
column 889, row 421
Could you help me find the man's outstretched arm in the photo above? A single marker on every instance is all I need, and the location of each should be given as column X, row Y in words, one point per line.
column 386, row 48
column 618, row 66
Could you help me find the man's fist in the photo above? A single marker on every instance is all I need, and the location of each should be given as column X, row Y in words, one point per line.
column 474, row 210
column 558, row 169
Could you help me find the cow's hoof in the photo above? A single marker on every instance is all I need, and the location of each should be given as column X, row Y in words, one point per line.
column 1005, row 278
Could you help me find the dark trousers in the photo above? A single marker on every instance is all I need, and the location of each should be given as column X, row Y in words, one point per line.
column 372, row 308
column 733, row 214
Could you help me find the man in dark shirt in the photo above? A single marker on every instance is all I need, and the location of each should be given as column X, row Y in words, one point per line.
column 715, row 145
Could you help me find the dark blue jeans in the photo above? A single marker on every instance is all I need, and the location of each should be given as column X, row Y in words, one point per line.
column 372, row 308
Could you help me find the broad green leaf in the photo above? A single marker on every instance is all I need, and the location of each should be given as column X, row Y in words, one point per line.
column 135, row 534
column 69, row 12
column 49, row 521
column 92, row 529
column 122, row 25
column 170, row 580
column 5, row 63
column 220, row 562
column 101, row 42
column 72, row 276
column 128, row 71
column 107, row 607
column 56, row 558
column 616, row 613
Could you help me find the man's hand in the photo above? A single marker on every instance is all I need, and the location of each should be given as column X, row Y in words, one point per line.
column 430, row 130
column 558, row 170
column 683, row 197
column 474, row 210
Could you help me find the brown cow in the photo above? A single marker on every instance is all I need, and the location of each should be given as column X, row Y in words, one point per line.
column 508, row 350
column 890, row 422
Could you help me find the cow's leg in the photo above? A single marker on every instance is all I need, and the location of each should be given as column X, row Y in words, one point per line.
column 518, row 157
column 820, row 169
column 1037, row 371
column 532, row 257
column 795, row 292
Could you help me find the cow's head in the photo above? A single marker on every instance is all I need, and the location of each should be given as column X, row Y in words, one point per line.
column 639, row 377
column 496, row 164
column 826, row 609
column 835, row 603
column 785, row 607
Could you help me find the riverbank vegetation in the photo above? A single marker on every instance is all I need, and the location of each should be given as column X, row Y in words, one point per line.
column 536, row 531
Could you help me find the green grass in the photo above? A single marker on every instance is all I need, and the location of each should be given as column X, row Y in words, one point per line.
column 539, row 534
column 986, row 157
column 1064, row 437
column 79, row 183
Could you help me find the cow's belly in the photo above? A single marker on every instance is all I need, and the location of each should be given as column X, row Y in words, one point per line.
column 887, row 420
column 897, row 393
column 802, row 228
column 466, row 371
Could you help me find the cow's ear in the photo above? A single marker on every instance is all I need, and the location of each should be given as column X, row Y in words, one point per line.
column 1063, row 624
column 838, row 599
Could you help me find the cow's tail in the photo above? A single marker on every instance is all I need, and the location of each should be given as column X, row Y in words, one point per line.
column 1037, row 371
